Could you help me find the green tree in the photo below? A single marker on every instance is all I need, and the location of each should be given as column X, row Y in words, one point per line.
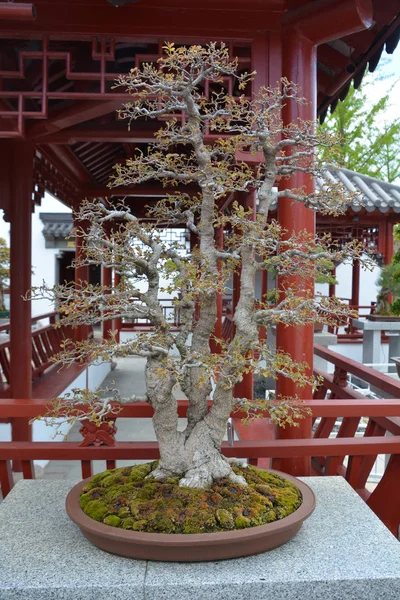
column 4, row 270
column 366, row 144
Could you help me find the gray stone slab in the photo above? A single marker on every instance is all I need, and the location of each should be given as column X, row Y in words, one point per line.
column 43, row 555
column 366, row 325
column 342, row 552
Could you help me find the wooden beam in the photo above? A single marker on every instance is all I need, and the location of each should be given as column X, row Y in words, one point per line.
column 67, row 163
column 73, row 115
column 161, row 19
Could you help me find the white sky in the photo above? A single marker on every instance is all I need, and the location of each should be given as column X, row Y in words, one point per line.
column 386, row 76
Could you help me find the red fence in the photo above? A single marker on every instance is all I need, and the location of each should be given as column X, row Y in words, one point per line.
column 345, row 454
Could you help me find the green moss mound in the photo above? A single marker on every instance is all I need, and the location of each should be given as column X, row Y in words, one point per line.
column 127, row 499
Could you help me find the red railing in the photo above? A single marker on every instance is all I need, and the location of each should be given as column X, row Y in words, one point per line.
column 345, row 454
column 46, row 343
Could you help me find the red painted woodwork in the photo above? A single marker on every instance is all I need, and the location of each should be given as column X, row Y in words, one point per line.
column 355, row 283
column 325, row 20
column 299, row 64
column 385, row 499
column 240, row 449
column 21, row 161
column 304, row 28
column 17, row 12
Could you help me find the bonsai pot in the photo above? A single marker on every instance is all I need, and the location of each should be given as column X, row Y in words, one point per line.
column 191, row 547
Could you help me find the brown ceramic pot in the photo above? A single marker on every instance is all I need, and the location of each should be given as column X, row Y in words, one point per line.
column 191, row 547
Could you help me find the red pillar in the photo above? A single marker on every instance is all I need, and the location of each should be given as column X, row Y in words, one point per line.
column 21, row 174
column 304, row 28
column 215, row 347
column 81, row 277
column 117, row 322
column 389, row 242
column 299, row 65
column 355, row 283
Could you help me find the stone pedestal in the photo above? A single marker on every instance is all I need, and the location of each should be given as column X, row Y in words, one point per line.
column 372, row 339
column 342, row 552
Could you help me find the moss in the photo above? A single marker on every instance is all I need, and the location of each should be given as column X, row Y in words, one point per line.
column 112, row 520
column 225, row 519
column 126, row 498
column 96, row 509
column 139, row 525
column 128, row 523
column 242, row 522
column 124, row 512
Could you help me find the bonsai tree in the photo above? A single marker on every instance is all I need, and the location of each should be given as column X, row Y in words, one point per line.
column 389, row 283
column 194, row 154
column 4, row 271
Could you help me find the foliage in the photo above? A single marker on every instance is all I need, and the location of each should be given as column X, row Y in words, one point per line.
column 195, row 152
column 389, row 284
column 365, row 145
column 4, row 270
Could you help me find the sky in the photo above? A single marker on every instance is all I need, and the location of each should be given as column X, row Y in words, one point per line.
column 387, row 75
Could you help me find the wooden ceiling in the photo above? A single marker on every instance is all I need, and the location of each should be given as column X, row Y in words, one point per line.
column 57, row 72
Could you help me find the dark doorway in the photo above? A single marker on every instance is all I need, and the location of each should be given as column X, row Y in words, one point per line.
column 65, row 272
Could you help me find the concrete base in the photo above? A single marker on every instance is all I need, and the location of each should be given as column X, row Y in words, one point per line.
column 343, row 552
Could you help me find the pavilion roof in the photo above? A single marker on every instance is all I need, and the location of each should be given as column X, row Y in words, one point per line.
column 372, row 194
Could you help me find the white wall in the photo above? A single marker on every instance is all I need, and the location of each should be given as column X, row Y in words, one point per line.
column 43, row 259
column 368, row 287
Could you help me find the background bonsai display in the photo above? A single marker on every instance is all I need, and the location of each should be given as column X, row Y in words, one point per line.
column 204, row 129
column 389, row 283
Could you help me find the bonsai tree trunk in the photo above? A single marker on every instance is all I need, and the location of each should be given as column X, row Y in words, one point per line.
column 134, row 250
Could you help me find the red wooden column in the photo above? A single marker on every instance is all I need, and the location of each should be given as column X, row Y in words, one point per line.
column 305, row 28
column 355, row 283
column 117, row 322
column 389, row 243
column 215, row 347
column 299, row 65
column 21, row 187
column 81, row 277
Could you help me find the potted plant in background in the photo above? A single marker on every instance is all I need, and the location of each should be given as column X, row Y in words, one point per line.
column 389, row 284
column 4, row 276
column 194, row 504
